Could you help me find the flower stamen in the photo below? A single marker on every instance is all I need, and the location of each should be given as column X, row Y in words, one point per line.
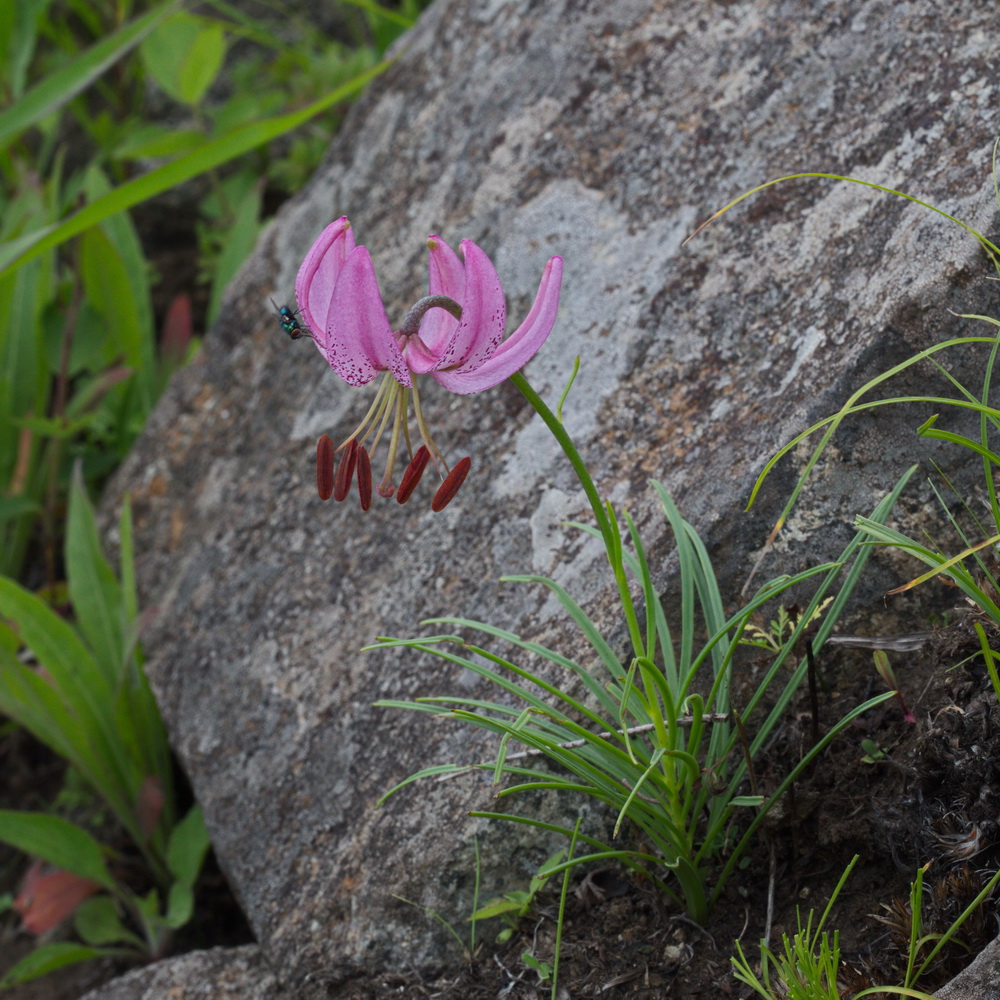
column 452, row 482
column 454, row 335
column 411, row 477
column 364, row 478
column 345, row 471
column 324, row 467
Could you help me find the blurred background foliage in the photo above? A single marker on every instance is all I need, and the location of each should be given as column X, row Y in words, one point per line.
column 142, row 147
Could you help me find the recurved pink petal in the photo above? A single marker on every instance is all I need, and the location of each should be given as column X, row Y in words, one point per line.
column 447, row 277
column 359, row 341
column 318, row 275
column 519, row 348
column 479, row 332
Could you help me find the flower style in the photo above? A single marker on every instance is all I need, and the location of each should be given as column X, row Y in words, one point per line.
column 455, row 334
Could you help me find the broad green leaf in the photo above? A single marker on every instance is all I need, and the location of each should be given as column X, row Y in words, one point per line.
column 16, row 506
column 202, row 63
column 90, row 352
column 370, row 7
column 496, row 908
column 57, row 646
column 66, row 82
column 93, row 589
column 29, row 699
column 46, row 959
column 180, row 906
column 18, row 35
column 83, row 701
column 149, row 907
column 16, row 253
column 9, row 641
column 184, row 55
column 116, row 279
column 56, row 841
column 189, row 843
column 241, row 237
column 97, row 921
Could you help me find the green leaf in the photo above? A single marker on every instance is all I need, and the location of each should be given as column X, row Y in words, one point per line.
column 379, row 11
column 241, row 237
column 93, row 589
column 61, row 85
column 16, row 506
column 116, row 280
column 97, row 921
column 213, row 153
column 148, row 907
column 18, row 34
column 56, row 841
column 180, row 906
column 184, row 55
column 57, row 646
column 496, row 908
column 46, row 959
column 189, row 843
column 155, row 142
column 202, row 63
column 73, row 711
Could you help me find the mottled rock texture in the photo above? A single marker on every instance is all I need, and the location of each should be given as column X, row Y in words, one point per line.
column 980, row 981
column 218, row 974
column 604, row 133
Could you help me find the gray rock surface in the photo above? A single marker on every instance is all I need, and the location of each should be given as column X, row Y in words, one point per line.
column 535, row 129
column 218, row 974
column 980, row 981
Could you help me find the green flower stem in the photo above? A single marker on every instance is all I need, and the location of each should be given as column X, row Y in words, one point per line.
column 611, row 534
column 566, row 443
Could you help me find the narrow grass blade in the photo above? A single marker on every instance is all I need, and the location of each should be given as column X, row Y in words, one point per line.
column 50, row 957
column 58, row 842
column 212, row 153
column 623, row 812
column 93, row 589
column 62, row 84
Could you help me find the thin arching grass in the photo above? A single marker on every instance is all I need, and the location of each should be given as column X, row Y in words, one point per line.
column 854, row 404
column 653, row 736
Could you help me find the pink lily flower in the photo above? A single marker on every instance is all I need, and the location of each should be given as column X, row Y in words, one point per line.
column 455, row 335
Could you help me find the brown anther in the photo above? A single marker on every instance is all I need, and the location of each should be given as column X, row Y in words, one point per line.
column 345, row 471
column 364, row 478
column 413, row 473
column 452, row 482
column 324, row 467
